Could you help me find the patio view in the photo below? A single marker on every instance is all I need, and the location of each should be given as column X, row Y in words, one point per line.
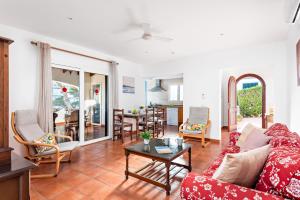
column 249, row 102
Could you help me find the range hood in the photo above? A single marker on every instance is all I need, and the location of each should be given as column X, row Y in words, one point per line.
column 157, row 87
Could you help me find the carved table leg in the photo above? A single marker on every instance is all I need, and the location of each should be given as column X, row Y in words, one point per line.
column 127, row 163
column 190, row 159
column 168, row 187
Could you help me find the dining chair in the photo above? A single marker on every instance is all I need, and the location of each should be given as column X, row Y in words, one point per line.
column 159, row 120
column 148, row 122
column 120, row 126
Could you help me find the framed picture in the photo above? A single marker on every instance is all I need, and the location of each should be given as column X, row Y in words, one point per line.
column 128, row 85
column 298, row 63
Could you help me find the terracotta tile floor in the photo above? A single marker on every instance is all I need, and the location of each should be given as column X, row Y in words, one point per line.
column 97, row 172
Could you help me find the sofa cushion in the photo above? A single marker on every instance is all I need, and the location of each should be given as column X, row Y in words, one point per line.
column 255, row 140
column 197, row 187
column 217, row 161
column 278, row 130
column 242, row 168
column 292, row 141
column 280, row 174
column 247, row 130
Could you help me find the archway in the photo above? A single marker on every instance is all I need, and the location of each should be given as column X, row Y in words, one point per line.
column 242, row 86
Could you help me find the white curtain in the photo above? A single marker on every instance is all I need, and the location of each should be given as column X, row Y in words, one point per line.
column 114, row 85
column 45, row 111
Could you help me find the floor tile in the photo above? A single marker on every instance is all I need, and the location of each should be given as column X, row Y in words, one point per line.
column 97, row 172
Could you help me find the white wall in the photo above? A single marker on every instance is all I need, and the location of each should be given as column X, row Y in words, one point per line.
column 293, row 88
column 24, row 71
column 162, row 97
column 202, row 76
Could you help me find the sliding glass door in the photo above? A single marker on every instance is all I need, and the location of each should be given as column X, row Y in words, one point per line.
column 66, row 102
column 95, row 106
column 80, row 104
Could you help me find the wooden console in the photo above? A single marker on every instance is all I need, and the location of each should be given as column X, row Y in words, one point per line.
column 14, row 170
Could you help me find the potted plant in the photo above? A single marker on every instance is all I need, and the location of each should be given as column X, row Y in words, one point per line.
column 134, row 111
column 146, row 136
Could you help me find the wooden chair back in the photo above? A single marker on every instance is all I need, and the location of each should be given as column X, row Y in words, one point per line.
column 160, row 114
column 149, row 117
column 118, row 117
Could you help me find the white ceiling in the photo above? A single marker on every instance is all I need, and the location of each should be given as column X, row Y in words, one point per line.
column 195, row 25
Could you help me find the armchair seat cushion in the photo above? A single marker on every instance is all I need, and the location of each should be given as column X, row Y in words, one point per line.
column 186, row 131
column 63, row 147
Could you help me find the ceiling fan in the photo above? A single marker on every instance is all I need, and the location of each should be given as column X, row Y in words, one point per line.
column 148, row 34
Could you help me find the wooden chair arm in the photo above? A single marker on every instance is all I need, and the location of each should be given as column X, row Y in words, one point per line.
column 182, row 125
column 208, row 124
column 38, row 144
column 63, row 136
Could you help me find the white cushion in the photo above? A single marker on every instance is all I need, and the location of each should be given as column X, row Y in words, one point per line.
column 247, row 130
column 199, row 115
column 242, row 168
column 63, row 147
column 191, row 132
column 27, row 126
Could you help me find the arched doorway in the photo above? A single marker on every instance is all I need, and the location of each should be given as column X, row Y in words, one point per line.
column 242, row 86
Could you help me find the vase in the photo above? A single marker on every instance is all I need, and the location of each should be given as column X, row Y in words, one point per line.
column 146, row 141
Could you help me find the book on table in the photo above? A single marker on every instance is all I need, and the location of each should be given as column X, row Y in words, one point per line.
column 163, row 149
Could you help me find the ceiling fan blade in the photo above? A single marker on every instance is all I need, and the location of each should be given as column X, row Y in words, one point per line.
column 165, row 39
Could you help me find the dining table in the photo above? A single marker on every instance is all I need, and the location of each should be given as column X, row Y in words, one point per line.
column 136, row 117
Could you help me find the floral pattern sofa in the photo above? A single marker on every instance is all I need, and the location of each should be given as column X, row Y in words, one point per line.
column 279, row 179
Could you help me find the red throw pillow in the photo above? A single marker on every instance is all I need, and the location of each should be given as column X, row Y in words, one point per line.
column 282, row 165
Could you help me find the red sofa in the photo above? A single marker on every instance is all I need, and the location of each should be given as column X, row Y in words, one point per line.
column 279, row 179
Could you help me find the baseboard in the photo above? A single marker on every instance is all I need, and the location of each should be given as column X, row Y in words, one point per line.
column 215, row 141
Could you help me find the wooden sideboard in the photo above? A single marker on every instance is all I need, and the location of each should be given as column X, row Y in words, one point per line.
column 14, row 170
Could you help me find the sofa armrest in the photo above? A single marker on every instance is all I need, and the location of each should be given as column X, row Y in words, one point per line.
column 233, row 138
column 202, row 187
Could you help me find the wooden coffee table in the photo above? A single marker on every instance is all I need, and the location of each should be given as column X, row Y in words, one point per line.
column 162, row 169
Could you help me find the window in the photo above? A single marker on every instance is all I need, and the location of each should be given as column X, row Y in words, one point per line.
column 181, row 93
column 173, row 92
column 176, row 93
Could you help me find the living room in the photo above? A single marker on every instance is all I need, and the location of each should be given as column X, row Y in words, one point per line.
column 123, row 44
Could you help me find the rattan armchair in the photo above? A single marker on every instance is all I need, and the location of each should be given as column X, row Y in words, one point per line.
column 197, row 115
column 26, row 129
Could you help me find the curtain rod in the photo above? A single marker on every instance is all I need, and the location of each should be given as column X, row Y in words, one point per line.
column 75, row 53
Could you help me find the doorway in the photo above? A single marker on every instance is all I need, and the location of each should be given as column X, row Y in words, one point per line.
column 66, row 102
column 246, row 101
column 80, row 104
column 95, row 106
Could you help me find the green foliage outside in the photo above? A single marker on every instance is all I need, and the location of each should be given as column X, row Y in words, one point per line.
column 250, row 101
